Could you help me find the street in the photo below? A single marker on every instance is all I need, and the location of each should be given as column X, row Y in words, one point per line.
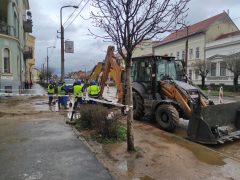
column 35, row 143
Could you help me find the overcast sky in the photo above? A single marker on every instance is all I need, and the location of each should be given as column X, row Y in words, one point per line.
column 88, row 51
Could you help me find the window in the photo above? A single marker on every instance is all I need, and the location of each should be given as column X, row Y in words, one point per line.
column 196, row 74
column 164, row 68
column 190, row 74
column 141, row 71
column 8, row 89
column 190, row 53
column 6, row 60
column 177, row 55
column 222, row 69
column 183, row 54
column 213, row 69
column 197, row 52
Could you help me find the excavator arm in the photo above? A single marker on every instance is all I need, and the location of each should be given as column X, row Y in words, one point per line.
column 106, row 68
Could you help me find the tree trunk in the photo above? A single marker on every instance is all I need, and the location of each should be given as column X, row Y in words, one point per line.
column 129, row 100
column 203, row 81
column 235, row 82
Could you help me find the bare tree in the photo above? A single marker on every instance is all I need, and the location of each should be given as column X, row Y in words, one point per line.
column 203, row 67
column 127, row 23
column 233, row 65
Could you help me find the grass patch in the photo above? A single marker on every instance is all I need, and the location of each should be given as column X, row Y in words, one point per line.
column 225, row 93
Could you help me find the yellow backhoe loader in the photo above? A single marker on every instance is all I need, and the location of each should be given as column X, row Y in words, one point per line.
column 158, row 88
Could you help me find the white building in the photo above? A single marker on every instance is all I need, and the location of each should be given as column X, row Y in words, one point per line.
column 224, row 45
column 193, row 39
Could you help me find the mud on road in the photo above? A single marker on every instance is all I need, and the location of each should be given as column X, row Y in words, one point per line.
column 159, row 155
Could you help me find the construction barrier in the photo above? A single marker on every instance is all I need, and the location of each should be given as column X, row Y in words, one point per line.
column 41, row 95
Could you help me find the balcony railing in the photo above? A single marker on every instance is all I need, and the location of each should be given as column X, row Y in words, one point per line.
column 28, row 53
column 27, row 25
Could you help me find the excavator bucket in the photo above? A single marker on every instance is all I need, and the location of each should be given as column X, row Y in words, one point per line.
column 214, row 124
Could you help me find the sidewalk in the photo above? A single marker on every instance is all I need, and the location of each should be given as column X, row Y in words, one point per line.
column 35, row 143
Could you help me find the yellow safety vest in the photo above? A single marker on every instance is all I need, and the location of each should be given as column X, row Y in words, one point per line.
column 50, row 89
column 60, row 90
column 77, row 90
column 93, row 90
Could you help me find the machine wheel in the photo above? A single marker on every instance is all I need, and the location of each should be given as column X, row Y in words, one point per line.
column 138, row 107
column 167, row 117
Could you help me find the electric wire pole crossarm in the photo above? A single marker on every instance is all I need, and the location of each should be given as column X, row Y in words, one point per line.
column 62, row 40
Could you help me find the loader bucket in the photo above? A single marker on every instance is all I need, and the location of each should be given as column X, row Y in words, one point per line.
column 214, row 124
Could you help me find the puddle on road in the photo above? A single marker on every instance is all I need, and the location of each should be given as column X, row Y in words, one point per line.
column 200, row 152
column 231, row 149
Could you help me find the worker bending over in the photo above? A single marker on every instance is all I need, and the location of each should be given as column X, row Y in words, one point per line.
column 93, row 91
column 50, row 90
column 78, row 93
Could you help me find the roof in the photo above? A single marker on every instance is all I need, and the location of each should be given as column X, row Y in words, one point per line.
column 201, row 26
column 235, row 33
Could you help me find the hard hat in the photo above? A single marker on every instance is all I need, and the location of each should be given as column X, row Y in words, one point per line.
column 78, row 81
column 93, row 82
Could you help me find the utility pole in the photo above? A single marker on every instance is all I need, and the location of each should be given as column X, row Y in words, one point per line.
column 62, row 41
column 186, row 52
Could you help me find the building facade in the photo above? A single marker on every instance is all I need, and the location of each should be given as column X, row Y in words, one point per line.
column 193, row 40
column 29, row 58
column 216, row 52
column 15, row 24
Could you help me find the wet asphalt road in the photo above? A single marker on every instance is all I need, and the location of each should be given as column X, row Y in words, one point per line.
column 42, row 146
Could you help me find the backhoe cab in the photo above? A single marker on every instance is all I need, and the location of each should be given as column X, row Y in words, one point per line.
column 159, row 87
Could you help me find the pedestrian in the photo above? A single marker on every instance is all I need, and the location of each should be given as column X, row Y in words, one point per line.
column 30, row 84
column 50, row 91
column 93, row 91
column 221, row 95
column 78, row 94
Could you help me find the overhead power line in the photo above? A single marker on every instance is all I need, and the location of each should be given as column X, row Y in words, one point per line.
column 72, row 13
column 77, row 14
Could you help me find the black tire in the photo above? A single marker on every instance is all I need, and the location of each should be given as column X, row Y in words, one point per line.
column 167, row 117
column 138, row 106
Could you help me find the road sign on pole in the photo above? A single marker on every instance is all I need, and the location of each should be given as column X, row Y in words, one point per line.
column 69, row 47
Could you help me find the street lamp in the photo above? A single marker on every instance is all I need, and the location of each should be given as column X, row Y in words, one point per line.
column 62, row 41
column 47, row 59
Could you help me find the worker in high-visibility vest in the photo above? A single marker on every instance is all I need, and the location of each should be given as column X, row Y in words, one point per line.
column 93, row 91
column 78, row 93
column 50, row 90
column 62, row 92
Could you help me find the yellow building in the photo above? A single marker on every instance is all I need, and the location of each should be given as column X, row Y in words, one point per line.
column 30, row 58
column 194, row 38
